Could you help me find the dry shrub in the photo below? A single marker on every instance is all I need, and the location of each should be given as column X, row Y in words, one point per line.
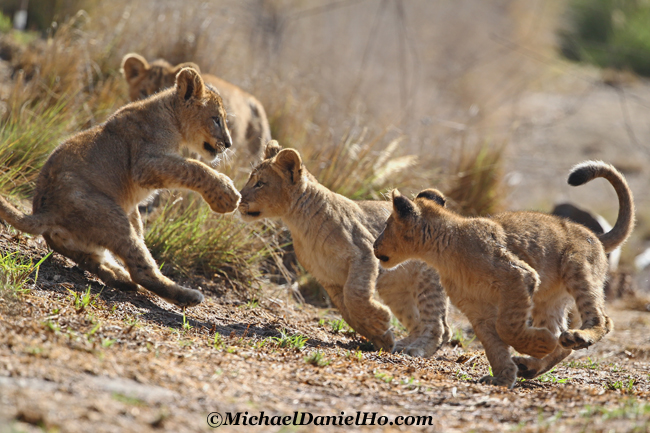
column 477, row 187
column 55, row 92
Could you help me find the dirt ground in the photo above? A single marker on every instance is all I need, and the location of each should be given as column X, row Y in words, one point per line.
column 131, row 362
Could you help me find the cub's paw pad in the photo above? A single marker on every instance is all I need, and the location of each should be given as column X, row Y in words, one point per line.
column 574, row 340
column 525, row 371
column 488, row 380
column 188, row 298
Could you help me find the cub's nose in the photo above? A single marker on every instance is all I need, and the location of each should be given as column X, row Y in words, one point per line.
column 228, row 141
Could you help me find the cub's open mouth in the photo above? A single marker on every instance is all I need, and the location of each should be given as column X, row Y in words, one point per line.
column 207, row 146
column 253, row 214
column 383, row 258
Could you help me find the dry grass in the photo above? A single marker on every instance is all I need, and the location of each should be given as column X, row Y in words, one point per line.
column 477, row 188
column 362, row 124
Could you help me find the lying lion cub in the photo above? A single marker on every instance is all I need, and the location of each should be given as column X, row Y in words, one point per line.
column 332, row 237
column 87, row 193
column 247, row 121
column 499, row 271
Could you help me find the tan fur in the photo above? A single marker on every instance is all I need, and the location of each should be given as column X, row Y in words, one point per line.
column 332, row 237
column 501, row 271
column 88, row 190
column 247, row 118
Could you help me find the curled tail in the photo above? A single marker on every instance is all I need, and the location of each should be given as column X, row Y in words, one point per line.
column 32, row 224
column 589, row 170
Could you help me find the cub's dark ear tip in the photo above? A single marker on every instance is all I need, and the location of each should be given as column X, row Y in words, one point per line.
column 403, row 206
column 578, row 177
column 434, row 195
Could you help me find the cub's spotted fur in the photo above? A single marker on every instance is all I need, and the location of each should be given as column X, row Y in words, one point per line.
column 87, row 193
column 332, row 237
column 247, row 120
column 501, row 271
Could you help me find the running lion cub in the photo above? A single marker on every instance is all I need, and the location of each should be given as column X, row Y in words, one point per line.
column 87, row 194
column 332, row 237
column 499, row 271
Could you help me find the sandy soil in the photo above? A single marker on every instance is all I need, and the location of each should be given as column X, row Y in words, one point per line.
column 131, row 362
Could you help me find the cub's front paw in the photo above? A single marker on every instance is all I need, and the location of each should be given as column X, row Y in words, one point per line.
column 528, row 368
column 498, row 381
column 575, row 339
column 188, row 298
column 227, row 199
column 386, row 342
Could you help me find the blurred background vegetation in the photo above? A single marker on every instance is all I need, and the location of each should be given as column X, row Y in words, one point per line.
column 375, row 94
column 609, row 33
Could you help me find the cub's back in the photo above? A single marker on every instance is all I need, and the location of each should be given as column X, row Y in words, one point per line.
column 544, row 241
column 375, row 214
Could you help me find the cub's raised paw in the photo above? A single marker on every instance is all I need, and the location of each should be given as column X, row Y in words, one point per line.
column 575, row 339
column 227, row 198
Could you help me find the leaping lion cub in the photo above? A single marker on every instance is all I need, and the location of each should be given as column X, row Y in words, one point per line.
column 87, row 194
column 332, row 237
column 248, row 123
column 500, row 270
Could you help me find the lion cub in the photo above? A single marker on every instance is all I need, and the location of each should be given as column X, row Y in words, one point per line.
column 87, row 193
column 500, row 271
column 332, row 237
column 248, row 123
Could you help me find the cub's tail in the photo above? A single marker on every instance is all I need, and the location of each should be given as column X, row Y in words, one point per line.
column 32, row 224
column 589, row 170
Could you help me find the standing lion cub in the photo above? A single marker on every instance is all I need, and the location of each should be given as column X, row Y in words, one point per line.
column 332, row 236
column 87, row 194
column 499, row 271
column 248, row 123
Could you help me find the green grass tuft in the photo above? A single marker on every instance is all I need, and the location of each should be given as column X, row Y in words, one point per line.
column 191, row 239
column 15, row 270
column 295, row 341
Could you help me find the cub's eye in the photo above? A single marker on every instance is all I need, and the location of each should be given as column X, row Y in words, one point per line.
column 143, row 93
column 217, row 121
column 259, row 184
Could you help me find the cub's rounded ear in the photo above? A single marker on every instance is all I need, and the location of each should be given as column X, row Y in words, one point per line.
column 402, row 206
column 434, row 195
column 190, row 84
column 133, row 67
column 289, row 160
column 187, row 65
column 272, row 148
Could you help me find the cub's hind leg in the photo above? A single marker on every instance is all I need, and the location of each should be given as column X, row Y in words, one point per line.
column 143, row 270
column 96, row 262
column 551, row 314
column 516, row 284
column 114, row 231
column 585, row 282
